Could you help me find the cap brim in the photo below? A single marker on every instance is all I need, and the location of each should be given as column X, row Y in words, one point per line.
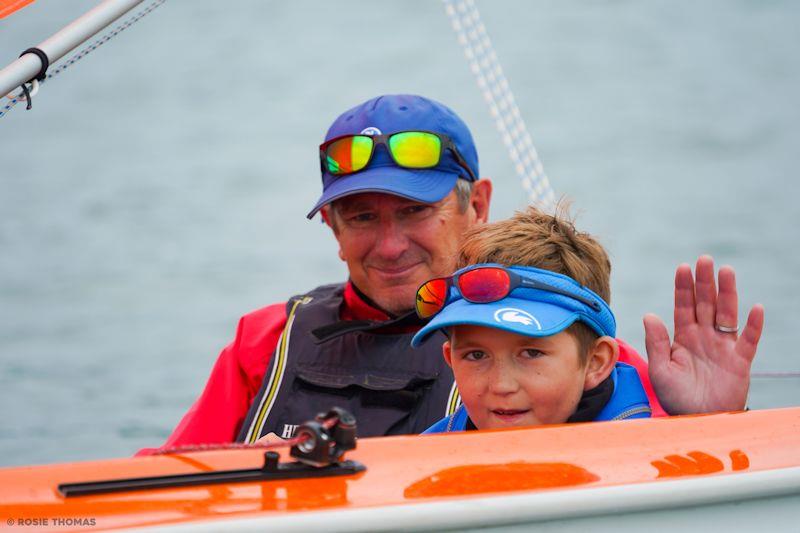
column 423, row 185
column 523, row 317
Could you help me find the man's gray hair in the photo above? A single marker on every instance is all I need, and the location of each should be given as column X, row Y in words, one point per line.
column 463, row 190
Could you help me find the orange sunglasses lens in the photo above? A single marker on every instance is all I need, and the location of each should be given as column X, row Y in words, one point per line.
column 348, row 155
column 431, row 297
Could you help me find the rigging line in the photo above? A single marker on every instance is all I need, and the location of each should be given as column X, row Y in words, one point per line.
column 494, row 86
column 774, row 375
column 15, row 99
column 484, row 64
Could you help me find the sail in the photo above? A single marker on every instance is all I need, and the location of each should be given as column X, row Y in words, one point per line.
column 9, row 6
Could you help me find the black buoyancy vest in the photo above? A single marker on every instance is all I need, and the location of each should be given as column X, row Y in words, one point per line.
column 391, row 388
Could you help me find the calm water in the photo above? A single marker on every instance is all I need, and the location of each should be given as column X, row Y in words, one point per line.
column 158, row 188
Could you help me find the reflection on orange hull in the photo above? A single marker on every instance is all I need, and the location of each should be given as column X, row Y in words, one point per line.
column 413, row 470
column 509, row 477
column 699, row 463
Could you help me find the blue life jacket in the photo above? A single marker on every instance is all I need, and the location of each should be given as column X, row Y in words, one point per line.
column 627, row 401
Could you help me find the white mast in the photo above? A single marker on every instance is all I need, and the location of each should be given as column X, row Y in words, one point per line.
column 57, row 46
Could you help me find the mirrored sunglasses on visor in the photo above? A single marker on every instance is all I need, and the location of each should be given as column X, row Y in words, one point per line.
column 408, row 149
column 485, row 284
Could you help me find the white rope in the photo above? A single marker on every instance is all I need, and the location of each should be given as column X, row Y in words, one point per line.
column 496, row 91
column 16, row 98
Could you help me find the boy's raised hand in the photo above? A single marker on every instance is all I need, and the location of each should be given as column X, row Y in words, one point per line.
column 707, row 367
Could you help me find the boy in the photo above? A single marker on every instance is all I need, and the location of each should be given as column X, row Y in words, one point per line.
column 531, row 336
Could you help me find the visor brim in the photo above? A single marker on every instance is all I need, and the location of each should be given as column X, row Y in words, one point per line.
column 516, row 315
column 423, row 185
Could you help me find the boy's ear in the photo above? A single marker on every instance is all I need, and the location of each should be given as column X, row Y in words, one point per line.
column 446, row 352
column 600, row 361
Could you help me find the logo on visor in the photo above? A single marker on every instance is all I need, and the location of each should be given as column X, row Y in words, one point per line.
column 372, row 130
column 518, row 316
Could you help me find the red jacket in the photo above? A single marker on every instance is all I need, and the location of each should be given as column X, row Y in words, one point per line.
column 218, row 413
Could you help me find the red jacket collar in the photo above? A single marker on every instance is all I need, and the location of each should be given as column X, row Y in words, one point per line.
column 355, row 308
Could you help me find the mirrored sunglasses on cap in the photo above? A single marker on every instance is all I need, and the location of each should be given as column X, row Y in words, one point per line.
column 408, row 149
column 485, row 284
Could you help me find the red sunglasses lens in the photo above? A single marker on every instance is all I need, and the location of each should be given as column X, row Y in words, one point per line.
column 484, row 285
column 431, row 297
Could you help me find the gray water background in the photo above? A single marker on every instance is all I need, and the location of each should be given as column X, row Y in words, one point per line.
column 158, row 188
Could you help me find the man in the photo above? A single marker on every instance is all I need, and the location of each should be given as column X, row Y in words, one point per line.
column 400, row 186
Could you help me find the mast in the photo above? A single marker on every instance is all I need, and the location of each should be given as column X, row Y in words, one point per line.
column 58, row 45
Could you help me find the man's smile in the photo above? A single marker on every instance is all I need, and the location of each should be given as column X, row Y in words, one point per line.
column 394, row 272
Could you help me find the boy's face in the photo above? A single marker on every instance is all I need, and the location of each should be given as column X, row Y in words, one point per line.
column 509, row 380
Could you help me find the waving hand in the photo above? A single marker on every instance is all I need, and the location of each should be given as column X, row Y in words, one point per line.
column 706, row 368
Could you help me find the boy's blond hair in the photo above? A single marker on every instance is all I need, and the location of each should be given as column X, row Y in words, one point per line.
column 551, row 242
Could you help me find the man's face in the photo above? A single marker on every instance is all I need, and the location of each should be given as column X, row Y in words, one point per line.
column 509, row 380
column 392, row 245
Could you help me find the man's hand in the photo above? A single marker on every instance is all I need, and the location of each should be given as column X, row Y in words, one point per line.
column 707, row 367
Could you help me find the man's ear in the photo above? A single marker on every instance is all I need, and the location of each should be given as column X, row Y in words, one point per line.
column 480, row 199
column 601, row 360
column 447, row 353
column 326, row 214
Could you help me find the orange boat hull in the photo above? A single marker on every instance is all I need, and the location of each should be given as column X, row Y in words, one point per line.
column 414, row 470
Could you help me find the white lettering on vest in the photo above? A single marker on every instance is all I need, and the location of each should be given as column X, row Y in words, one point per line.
column 289, row 431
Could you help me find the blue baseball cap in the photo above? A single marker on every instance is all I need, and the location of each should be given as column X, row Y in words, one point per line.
column 526, row 311
column 392, row 113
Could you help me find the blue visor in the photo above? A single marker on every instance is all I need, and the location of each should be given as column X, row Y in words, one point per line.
column 526, row 311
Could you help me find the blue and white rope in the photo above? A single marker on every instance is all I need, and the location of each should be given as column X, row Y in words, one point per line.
column 86, row 51
column 496, row 91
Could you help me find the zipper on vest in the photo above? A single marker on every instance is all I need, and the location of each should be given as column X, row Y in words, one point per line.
column 631, row 412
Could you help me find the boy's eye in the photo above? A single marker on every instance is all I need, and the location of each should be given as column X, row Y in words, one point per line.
column 475, row 355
